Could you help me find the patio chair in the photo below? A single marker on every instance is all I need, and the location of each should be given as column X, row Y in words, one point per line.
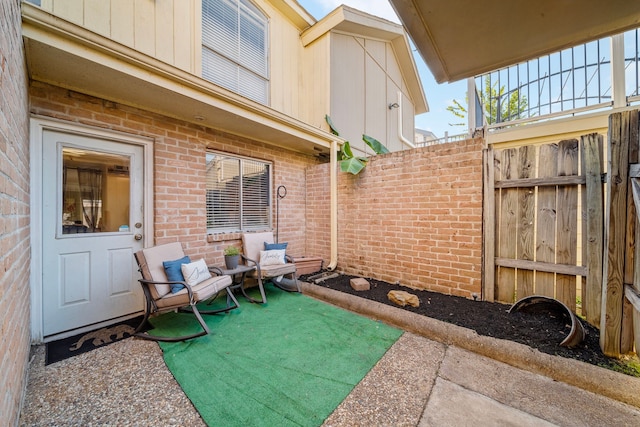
column 282, row 275
column 164, row 293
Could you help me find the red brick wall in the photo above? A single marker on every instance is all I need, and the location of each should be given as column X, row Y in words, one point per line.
column 413, row 217
column 179, row 157
column 14, row 216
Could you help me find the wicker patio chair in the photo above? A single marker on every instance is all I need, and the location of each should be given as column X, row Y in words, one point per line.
column 282, row 275
column 159, row 294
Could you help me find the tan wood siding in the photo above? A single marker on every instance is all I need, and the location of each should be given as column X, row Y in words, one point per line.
column 347, row 87
column 162, row 29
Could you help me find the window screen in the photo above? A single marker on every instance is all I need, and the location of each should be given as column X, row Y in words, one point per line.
column 234, row 47
column 238, row 194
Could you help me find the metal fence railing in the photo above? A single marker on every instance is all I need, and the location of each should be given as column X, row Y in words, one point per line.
column 571, row 81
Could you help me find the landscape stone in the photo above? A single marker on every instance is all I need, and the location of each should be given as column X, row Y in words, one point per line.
column 360, row 284
column 403, row 298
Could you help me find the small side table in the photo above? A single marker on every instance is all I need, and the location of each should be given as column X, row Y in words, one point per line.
column 238, row 276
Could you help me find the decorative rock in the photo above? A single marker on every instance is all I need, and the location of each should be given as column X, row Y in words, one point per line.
column 403, row 298
column 360, row 284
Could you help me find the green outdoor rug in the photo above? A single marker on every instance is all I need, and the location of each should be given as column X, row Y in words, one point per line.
column 287, row 363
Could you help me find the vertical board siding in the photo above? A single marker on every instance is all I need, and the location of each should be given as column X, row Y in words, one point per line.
column 538, row 247
column 162, row 29
column 546, row 220
column 506, row 277
column 615, row 230
column 567, row 226
column 526, row 225
column 594, row 206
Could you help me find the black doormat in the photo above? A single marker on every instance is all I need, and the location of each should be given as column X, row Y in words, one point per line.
column 87, row 341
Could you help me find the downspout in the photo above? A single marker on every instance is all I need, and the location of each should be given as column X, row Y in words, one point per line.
column 400, row 135
column 333, row 217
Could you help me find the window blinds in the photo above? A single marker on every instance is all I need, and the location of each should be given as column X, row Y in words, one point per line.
column 238, row 194
column 234, row 47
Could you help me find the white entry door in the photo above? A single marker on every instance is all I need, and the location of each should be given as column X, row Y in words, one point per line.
column 92, row 223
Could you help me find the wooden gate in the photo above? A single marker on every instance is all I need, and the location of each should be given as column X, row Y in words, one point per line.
column 548, row 232
column 543, row 219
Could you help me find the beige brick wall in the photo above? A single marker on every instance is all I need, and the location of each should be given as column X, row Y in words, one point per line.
column 413, row 217
column 14, row 216
column 179, row 157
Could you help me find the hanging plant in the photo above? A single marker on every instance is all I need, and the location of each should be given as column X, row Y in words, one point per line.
column 349, row 163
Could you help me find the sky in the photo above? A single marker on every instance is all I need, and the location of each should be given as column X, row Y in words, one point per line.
column 439, row 96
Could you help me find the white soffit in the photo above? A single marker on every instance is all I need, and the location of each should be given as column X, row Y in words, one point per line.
column 465, row 38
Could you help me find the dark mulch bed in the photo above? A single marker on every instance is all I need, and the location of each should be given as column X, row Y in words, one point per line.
column 540, row 331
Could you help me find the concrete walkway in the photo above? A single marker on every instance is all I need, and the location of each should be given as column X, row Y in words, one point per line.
column 420, row 382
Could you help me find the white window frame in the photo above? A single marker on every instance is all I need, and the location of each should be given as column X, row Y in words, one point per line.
column 235, row 47
column 240, row 212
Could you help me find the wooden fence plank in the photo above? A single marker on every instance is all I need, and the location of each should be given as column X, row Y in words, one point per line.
column 541, row 182
column 526, row 221
column 631, row 134
column 615, row 230
column 546, row 220
column 506, row 278
column 488, row 229
column 593, row 202
column 549, row 267
column 567, row 225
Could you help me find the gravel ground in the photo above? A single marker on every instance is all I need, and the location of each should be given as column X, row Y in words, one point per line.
column 123, row 384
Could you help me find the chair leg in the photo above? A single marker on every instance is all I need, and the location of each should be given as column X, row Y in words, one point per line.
column 147, row 336
column 261, row 287
column 287, row 284
column 230, row 298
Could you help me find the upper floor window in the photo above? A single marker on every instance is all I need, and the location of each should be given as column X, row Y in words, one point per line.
column 234, row 47
column 238, row 194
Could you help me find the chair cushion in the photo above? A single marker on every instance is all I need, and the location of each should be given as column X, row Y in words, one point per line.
column 154, row 257
column 202, row 291
column 253, row 243
column 195, row 272
column 173, row 270
column 275, row 270
column 272, row 257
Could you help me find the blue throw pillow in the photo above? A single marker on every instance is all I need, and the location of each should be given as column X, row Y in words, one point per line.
column 173, row 270
column 271, row 246
column 275, row 246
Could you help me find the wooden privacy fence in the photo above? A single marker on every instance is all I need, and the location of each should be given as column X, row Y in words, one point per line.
column 548, row 232
column 543, row 219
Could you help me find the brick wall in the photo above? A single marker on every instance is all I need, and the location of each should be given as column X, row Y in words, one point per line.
column 179, row 169
column 413, row 217
column 14, row 216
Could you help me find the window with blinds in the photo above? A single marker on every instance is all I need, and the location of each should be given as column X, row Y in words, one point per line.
column 238, row 194
column 234, row 47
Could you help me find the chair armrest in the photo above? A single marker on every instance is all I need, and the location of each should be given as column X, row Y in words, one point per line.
column 181, row 282
column 214, row 269
column 249, row 260
column 253, row 262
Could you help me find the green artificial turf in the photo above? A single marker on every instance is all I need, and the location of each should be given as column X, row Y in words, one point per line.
column 289, row 362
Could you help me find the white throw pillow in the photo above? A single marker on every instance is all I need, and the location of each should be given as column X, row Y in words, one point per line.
column 195, row 272
column 272, row 257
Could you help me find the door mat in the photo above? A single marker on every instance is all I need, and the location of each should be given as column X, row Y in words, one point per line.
column 56, row 351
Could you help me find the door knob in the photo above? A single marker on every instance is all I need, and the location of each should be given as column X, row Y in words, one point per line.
column 138, row 236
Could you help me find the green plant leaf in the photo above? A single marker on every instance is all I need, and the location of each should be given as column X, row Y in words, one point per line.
column 375, row 145
column 352, row 165
column 345, row 151
column 330, row 123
